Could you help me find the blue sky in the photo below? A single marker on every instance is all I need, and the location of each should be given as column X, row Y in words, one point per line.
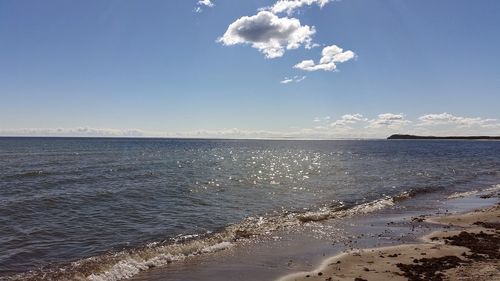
column 189, row 68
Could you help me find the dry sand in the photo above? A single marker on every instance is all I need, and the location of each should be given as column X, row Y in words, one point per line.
column 471, row 251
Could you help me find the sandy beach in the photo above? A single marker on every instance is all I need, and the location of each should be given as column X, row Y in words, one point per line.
column 468, row 250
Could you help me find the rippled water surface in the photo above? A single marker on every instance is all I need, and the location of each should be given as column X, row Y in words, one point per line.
column 63, row 199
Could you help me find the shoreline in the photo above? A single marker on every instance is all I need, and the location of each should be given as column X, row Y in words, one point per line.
column 302, row 247
column 470, row 251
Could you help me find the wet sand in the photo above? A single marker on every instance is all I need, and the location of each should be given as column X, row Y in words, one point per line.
column 469, row 250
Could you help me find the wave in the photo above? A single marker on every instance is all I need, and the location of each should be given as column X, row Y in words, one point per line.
column 124, row 264
column 486, row 191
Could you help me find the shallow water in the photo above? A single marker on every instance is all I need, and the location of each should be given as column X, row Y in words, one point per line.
column 65, row 199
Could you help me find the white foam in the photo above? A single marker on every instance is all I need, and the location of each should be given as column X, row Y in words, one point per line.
column 217, row 247
column 131, row 264
column 365, row 208
column 373, row 206
column 457, row 195
column 493, row 189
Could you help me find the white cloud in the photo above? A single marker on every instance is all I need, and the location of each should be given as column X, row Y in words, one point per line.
column 300, row 79
column 389, row 120
column 207, row 3
column 296, row 79
column 268, row 33
column 322, row 119
column 449, row 119
column 348, row 119
column 330, row 57
column 289, row 6
column 203, row 3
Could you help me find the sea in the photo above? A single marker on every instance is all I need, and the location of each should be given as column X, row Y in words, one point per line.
column 110, row 208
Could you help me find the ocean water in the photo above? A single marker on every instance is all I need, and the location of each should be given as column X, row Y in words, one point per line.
column 106, row 209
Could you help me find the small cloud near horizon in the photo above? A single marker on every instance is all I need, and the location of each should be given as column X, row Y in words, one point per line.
column 389, row 120
column 447, row 119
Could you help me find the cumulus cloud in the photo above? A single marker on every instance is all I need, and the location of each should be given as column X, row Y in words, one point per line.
column 289, row 6
column 203, row 3
column 348, row 119
column 330, row 57
column 296, row 79
column 389, row 120
column 449, row 119
column 268, row 33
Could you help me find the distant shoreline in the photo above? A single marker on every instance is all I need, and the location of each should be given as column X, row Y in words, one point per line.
column 413, row 137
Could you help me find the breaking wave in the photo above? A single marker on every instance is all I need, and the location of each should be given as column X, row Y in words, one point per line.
column 485, row 192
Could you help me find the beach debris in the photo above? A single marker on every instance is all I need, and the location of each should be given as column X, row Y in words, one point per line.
column 429, row 268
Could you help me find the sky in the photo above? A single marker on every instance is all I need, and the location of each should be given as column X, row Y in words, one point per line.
column 249, row 68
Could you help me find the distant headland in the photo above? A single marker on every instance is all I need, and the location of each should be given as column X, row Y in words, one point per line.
column 413, row 137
